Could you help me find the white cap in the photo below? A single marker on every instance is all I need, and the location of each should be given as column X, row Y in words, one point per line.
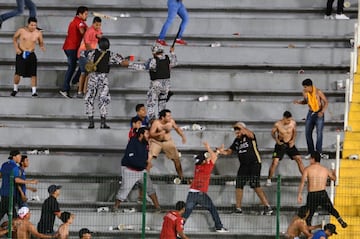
column 23, row 212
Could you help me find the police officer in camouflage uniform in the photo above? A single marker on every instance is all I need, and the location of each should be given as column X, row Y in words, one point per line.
column 99, row 82
column 159, row 69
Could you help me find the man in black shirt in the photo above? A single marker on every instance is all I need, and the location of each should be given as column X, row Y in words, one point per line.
column 49, row 210
column 250, row 165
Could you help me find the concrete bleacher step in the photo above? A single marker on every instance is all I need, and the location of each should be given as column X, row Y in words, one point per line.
column 78, row 139
column 197, row 80
column 204, row 56
column 199, row 221
column 51, row 107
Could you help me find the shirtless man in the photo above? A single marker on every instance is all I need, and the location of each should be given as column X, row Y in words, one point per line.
column 318, row 103
column 284, row 134
column 316, row 176
column 25, row 40
column 298, row 225
column 24, row 228
column 160, row 139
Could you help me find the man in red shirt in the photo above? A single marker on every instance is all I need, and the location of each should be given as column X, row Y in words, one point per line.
column 204, row 163
column 173, row 225
column 76, row 30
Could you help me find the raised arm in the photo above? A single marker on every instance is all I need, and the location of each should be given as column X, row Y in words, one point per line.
column 179, row 131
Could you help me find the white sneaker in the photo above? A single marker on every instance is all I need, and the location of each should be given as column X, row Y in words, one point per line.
column 308, row 156
column 341, row 17
column 223, row 229
column 268, row 183
column 330, row 17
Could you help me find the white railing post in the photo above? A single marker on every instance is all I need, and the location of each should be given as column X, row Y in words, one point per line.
column 336, row 165
column 347, row 105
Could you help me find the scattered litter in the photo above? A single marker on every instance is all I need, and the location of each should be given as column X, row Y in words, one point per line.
column 236, row 33
column 35, row 198
column 125, row 15
column 215, row 44
column 352, row 42
column 203, row 98
column 35, row 151
column 347, row 4
column 127, row 210
column 270, row 72
column 121, row 227
column 301, row 71
column 242, row 100
column 196, row 127
column 179, row 154
column 103, row 209
column 230, row 182
column 291, row 45
column 332, row 165
column 185, row 127
column 147, row 228
column 177, row 181
column 340, row 85
column 354, row 156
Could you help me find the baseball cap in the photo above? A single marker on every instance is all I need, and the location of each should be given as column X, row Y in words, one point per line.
column 84, row 231
column 331, row 228
column 53, row 188
column 201, row 157
column 13, row 153
column 23, row 212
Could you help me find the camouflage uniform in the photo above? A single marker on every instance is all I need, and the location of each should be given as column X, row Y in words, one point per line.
column 99, row 83
column 158, row 89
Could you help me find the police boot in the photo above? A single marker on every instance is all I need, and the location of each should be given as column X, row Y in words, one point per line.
column 91, row 122
column 103, row 124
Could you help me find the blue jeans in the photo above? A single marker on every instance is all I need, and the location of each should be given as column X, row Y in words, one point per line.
column 175, row 7
column 20, row 9
column 195, row 198
column 71, row 62
column 313, row 120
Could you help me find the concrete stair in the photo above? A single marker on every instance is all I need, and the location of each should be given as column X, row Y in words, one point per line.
column 253, row 77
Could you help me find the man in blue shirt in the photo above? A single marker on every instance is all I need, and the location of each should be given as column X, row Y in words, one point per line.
column 329, row 230
column 7, row 169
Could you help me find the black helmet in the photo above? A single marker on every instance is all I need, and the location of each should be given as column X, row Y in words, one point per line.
column 104, row 43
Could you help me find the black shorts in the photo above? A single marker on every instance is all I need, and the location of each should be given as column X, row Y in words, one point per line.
column 280, row 150
column 26, row 67
column 248, row 172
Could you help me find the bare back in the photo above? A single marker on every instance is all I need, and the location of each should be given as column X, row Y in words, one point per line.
column 296, row 227
column 22, row 229
column 317, row 176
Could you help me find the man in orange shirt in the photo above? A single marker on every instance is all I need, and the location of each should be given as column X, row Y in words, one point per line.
column 90, row 41
column 173, row 225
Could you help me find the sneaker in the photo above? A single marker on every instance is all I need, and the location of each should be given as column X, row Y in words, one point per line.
column 342, row 222
column 221, row 230
column 13, row 93
column 66, row 94
column 80, row 95
column 161, row 42
column 268, row 211
column 158, row 210
column 268, row 183
column 341, row 17
column 180, row 42
column 308, row 156
column 238, row 210
column 324, row 156
column 34, row 95
column 330, row 17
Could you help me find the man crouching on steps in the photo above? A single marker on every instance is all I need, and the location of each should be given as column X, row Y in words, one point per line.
column 99, row 82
